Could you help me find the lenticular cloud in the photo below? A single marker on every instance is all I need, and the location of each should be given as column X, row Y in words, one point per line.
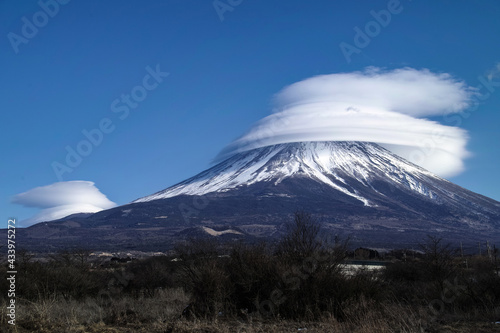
column 62, row 199
column 386, row 107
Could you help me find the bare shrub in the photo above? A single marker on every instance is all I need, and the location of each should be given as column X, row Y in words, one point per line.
column 438, row 264
column 254, row 274
column 151, row 274
column 205, row 277
column 301, row 239
column 312, row 278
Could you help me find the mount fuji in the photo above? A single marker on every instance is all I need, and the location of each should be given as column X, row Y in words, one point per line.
column 353, row 188
column 351, row 168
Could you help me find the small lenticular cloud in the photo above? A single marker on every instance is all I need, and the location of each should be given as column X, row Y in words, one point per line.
column 379, row 106
column 62, row 199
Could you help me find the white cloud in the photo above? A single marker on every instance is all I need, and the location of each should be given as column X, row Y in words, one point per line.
column 375, row 106
column 62, row 199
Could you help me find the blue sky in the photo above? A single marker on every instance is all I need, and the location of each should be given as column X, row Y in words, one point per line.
column 63, row 79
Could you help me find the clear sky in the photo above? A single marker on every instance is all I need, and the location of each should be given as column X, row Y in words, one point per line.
column 67, row 67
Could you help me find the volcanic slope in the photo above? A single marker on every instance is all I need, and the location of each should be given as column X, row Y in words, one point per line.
column 353, row 188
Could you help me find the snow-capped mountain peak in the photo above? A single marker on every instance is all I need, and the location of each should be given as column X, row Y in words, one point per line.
column 330, row 163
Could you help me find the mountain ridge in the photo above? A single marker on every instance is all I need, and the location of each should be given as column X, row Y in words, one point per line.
column 332, row 155
column 358, row 188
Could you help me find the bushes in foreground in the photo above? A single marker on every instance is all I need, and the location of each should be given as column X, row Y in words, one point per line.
column 300, row 278
column 257, row 288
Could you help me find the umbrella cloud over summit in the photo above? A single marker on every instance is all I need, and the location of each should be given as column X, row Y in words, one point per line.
column 62, row 199
column 388, row 107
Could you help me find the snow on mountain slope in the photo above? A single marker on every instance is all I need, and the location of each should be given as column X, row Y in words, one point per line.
column 330, row 163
